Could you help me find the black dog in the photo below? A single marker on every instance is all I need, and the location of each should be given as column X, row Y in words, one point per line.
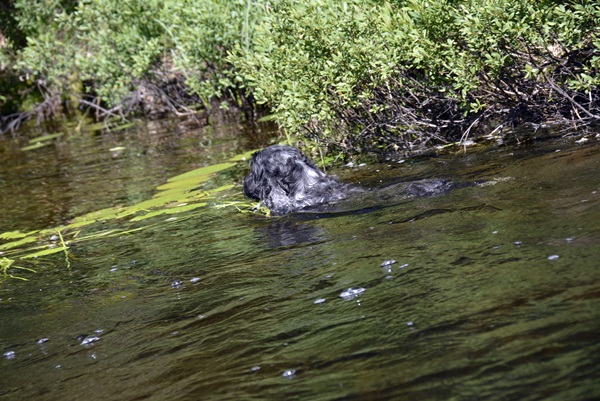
column 286, row 181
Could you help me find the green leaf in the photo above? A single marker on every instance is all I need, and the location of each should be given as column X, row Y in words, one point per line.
column 44, row 252
column 169, row 210
column 36, row 145
column 16, row 234
column 202, row 174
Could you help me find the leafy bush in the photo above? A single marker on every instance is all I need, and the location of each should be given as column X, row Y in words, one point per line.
column 355, row 75
column 381, row 76
column 202, row 34
column 141, row 53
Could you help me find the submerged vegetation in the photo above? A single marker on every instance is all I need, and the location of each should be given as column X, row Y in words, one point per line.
column 355, row 75
column 180, row 194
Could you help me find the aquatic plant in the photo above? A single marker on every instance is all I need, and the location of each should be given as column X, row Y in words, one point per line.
column 6, row 265
column 181, row 194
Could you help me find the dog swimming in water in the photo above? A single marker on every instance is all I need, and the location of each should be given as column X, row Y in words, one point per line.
column 286, row 181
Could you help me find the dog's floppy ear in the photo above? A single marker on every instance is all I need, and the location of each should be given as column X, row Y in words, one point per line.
column 251, row 189
column 257, row 184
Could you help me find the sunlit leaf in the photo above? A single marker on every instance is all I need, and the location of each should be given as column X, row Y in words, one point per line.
column 36, row 145
column 5, row 263
column 243, row 156
column 110, row 233
column 45, row 137
column 180, row 194
column 172, row 210
column 202, row 173
column 16, row 234
column 221, row 189
column 18, row 243
column 80, row 224
column 99, row 215
column 184, row 184
column 44, row 252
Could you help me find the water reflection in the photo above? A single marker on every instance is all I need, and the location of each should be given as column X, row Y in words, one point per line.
column 476, row 306
column 85, row 172
column 289, row 232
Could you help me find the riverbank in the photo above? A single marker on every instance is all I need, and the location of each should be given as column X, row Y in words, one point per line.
column 354, row 77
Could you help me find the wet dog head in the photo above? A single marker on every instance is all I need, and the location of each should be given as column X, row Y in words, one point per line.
column 287, row 181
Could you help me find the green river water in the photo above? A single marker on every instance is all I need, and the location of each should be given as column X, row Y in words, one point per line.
column 494, row 293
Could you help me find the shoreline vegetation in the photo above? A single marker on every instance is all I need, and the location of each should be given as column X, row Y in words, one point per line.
column 352, row 76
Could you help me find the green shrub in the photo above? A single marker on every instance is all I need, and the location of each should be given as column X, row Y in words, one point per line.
column 202, row 33
column 355, row 74
column 379, row 76
column 132, row 53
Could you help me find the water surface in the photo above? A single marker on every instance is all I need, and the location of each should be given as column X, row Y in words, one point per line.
column 494, row 293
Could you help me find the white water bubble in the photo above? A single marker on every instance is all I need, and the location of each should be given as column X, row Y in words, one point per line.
column 351, row 293
column 89, row 340
column 10, row 354
column 553, row 257
column 289, row 374
column 388, row 263
column 319, row 301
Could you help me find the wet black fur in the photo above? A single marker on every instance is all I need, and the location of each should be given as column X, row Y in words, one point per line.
column 287, row 181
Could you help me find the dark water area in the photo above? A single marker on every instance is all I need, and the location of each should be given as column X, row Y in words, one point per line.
column 48, row 186
column 489, row 292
